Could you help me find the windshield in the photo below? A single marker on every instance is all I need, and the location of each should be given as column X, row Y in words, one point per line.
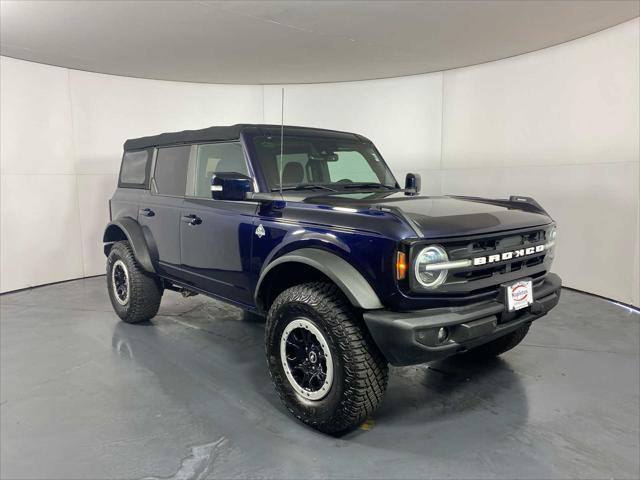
column 321, row 163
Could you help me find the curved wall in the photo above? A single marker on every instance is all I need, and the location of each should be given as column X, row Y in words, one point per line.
column 61, row 142
column 560, row 124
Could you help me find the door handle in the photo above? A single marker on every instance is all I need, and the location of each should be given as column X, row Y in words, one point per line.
column 192, row 219
column 147, row 212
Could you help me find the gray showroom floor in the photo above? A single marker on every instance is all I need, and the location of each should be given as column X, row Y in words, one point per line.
column 188, row 396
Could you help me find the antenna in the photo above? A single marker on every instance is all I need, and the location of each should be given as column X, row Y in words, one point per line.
column 281, row 141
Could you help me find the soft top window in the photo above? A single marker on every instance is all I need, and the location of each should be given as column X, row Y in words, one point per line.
column 135, row 169
column 171, row 170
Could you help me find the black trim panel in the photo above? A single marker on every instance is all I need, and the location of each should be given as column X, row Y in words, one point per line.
column 134, row 233
column 342, row 273
column 407, row 338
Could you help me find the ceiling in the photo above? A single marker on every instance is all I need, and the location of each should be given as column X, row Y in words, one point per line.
column 263, row 42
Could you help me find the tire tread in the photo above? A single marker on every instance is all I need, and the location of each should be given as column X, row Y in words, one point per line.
column 145, row 293
column 366, row 369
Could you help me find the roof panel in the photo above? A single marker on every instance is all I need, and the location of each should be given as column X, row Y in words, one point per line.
column 231, row 132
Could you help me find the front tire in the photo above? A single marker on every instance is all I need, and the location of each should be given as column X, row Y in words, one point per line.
column 324, row 364
column 135, row 294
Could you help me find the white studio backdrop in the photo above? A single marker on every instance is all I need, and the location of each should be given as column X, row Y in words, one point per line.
column 560, row 124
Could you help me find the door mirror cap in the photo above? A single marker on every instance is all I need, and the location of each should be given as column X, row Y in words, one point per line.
column 412, row 184
column 230, row 186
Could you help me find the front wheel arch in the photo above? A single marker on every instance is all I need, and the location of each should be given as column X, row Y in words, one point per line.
column 309, row 265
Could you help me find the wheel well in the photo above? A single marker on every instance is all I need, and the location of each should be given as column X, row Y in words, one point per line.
column 284, row 276
column 113, row 233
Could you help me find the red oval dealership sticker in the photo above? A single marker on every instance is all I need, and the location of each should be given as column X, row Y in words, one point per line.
column 519, row 292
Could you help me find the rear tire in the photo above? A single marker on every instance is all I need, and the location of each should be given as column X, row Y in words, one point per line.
column 345, row 376
column 134, row 293
column 499, row 345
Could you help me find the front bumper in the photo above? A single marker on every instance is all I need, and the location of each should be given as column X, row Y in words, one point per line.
column 408, row 338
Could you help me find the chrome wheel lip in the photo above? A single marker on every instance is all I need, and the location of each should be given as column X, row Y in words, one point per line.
column 311, row 328
column 119, row 264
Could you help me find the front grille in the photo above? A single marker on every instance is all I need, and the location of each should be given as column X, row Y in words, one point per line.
column 486, row 278
column 471, row 275
column 485, row 247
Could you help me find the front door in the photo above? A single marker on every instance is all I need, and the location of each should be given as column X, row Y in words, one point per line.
column 216, row 235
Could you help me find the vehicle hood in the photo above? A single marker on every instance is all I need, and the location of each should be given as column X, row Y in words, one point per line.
column 443, row 216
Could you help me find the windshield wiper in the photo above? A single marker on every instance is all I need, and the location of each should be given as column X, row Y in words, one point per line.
column 368, row 185
column 304, row 186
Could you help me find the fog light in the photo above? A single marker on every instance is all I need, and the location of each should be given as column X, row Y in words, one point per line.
column 443, row 334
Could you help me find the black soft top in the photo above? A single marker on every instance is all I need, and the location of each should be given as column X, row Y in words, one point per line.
column 232, row 132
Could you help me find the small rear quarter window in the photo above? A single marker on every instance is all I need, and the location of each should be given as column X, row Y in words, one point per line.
column 135, row 169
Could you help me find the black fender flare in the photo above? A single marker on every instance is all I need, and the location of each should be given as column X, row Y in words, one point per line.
column 136, row 237
column 355, row 287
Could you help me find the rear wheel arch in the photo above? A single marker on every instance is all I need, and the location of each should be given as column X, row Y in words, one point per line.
column 126, row 228
column 314, row 265
column 113, row 233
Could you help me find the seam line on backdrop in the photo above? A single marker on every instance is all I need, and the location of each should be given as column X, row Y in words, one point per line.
column 441, row 124
column 626, row 162
column 56, row 174
column 75, row 158
column 545, row 165
column 263, row 107
column 440, row 170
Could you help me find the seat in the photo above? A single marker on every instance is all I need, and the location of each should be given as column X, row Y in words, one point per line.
column 229, row 165
column 293, row 173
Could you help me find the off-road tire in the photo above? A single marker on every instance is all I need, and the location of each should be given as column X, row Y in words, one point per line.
column 499, row 345
column 360, row 372
column 145, row 290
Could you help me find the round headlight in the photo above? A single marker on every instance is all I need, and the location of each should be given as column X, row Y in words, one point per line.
column 428, row 277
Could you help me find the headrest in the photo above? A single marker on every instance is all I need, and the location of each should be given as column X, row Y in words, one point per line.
column 293, row 173
column 228, row 165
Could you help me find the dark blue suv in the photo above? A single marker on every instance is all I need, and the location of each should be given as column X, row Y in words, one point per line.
column 310, row 228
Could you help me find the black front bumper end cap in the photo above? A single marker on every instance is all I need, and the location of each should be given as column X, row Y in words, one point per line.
column 409, row 338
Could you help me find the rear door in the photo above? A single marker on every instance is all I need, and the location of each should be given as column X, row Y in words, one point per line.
column 215, row 235
column 160, row 207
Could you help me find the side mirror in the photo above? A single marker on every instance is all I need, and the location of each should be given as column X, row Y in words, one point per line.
column 412, row 184
column 230, row 186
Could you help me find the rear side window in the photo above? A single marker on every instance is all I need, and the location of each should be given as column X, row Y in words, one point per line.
column 171, row 170
column 135, row 169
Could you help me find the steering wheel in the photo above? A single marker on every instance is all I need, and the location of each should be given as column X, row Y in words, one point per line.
column 345, row 180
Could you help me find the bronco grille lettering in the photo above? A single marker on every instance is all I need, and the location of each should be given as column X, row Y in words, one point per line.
column 500, row 257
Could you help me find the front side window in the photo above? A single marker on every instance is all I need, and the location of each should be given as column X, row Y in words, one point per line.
column 216, row 158
column 171, row 170
column 321, row 162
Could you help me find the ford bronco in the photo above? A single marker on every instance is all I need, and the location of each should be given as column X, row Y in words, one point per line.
column 309, row 228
